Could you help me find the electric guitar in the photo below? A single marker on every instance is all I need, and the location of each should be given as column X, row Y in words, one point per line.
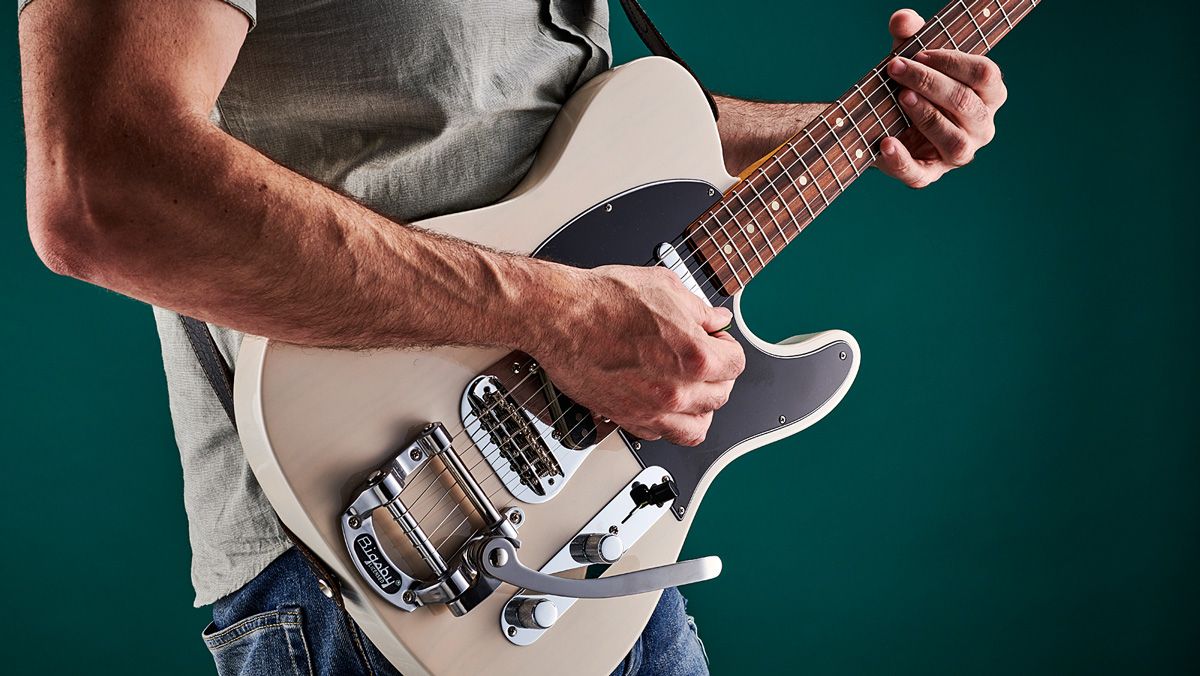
column 481, row 522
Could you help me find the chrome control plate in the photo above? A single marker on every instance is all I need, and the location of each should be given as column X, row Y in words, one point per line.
column 522, row 449
column 622, row 517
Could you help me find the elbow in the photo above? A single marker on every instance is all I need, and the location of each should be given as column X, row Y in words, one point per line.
column 74, row 223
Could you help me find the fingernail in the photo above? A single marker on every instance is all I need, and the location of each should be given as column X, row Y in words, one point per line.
column 888, row 148
column 922, row 56
column 897, row 66
column 908, row 98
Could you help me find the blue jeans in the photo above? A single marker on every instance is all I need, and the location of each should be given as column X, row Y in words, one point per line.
column 280, row 623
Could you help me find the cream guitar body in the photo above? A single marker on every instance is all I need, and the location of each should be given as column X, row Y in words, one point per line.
column 632, row 160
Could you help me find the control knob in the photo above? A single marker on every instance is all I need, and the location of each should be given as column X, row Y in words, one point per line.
column 532, row 613
column 596, row 548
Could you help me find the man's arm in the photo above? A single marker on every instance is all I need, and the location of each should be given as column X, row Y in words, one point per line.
column 132, row 188
column 952, row 97
column 751, row 129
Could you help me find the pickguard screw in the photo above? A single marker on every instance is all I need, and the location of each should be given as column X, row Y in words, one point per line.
column 680, row 510
column 711, row 192
column 512, row 631
column 550, row 481
column 409, row 597
column 637, row 445
column 416, row 454
column 354, row 522
column 608, row 207
column 665, row 478
column 614, row 530
column 842, row 355
column 515, row 517
column 782, row 419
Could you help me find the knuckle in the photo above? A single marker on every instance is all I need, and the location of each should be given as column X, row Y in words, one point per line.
column 923, row 80
column 927, row 115
column 673, row 398
column 958, row 150
column 966, row 103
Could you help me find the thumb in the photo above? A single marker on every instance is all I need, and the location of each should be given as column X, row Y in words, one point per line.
column 903, row 25
column 716, row 319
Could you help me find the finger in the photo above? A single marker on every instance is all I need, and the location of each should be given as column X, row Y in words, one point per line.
column 977, row 72
column 895, row 161
column 950, row 141
column 958, row 100
column 903, row 25
column 707, row 397
column 685, row 429
column 723, row 359
column 716, row 319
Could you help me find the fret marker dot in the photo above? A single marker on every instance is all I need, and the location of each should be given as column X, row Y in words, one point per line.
column 750, row 229
column 775, row 205
column 728, row 248
column 986, row 12
column 858, row 153
column 803, row 180
column 839, row 122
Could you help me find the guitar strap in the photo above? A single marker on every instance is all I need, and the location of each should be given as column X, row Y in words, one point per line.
column 220, row 375
column 658, row 46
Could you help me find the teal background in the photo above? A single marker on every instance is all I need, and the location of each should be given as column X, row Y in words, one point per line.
column 1010, row 486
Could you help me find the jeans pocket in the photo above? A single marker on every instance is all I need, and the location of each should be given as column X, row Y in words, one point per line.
column 261, row 645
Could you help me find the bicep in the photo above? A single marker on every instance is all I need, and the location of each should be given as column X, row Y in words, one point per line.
column 85, row 61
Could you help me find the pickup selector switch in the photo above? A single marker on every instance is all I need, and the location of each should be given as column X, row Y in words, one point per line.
column 532, row 613
column 597, row 548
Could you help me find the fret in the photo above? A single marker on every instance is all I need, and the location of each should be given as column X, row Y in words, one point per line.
column 721, row 251
column 1004, row 13
column 977, row 28
column 747, row 230
column 938, row 18
column 771, row 213
column 799, row 191
column 809, row 171
column 731, row 247
column 890, row 88
column 883, row 127
column 845, row 153
column 858, row 152
column 779, row 195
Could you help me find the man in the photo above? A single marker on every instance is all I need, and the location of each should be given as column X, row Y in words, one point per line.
column 260, row 180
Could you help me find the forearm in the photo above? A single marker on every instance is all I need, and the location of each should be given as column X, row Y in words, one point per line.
column 208, row 226
column 751, row 129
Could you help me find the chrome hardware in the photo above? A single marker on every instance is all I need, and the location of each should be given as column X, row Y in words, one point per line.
column 670, row 259
column 457, row 583
column 532, row 613
column 510, row 569
column 522, row 449
column 597, row 548
column 624, row 514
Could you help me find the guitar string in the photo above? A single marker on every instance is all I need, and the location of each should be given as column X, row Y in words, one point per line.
column 747, row 207
column 855, row 170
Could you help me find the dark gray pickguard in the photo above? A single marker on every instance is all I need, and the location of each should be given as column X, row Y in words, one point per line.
column 771, row 392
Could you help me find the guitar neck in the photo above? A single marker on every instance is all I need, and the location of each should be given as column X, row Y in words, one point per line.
column 787, row 189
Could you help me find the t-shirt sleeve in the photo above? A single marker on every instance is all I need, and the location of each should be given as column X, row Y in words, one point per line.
column 247, row 7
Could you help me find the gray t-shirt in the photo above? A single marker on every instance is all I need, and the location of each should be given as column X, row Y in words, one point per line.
column 414, row 108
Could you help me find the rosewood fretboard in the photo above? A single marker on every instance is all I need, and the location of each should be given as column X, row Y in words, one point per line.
column 786, row 191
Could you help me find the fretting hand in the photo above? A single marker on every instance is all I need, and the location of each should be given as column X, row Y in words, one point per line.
column 950, row 96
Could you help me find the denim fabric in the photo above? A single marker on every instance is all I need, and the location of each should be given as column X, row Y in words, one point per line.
column 280, row 624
